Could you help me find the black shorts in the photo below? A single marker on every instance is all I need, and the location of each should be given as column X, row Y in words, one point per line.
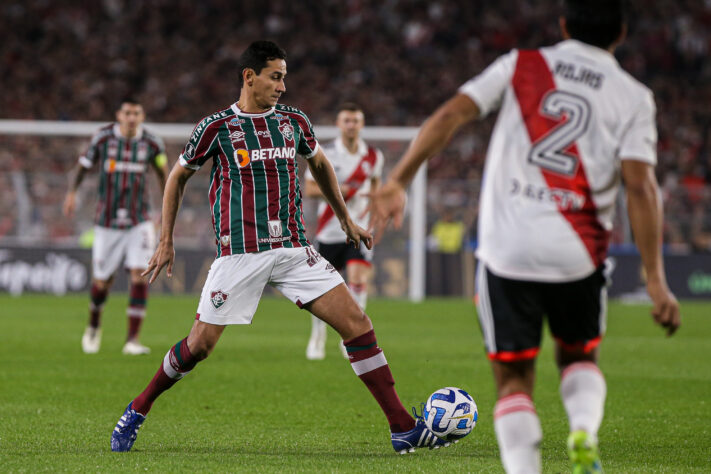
column 511, row 313
column 339, row 255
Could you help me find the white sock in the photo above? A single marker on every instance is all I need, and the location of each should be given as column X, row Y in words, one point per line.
column 360, row 294
column 583, row 390
column 318, row 330
column 519, row 433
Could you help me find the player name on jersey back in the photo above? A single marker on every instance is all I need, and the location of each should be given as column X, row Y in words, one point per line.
column 568, row 115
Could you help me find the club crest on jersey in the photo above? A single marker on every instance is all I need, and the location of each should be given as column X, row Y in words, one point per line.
column 142, row 152
column 367, row 168
column 218, row 298
column 274, row 227
column 225, row 240
column 287, row 131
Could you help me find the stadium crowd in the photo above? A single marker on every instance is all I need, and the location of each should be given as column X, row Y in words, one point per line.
column 397, row 58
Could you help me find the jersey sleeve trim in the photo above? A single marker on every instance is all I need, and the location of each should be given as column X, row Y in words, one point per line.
column 184, row 163
column 313, row 153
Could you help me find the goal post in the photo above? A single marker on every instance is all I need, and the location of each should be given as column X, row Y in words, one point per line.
column 180, row 132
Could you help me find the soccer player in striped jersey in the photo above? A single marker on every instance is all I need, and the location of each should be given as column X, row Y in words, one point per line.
column 358, row 167
column 572, row 124
column 124, row 152
column 255, row 201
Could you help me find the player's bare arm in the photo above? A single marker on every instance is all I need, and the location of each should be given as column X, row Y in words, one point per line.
column 172, row 197
column 70, row 200
column 312, row 190
column 325, row 177
column 389, row 201
column 645, row 213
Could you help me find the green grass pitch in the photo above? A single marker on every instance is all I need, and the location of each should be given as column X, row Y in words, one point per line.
column 257, row 405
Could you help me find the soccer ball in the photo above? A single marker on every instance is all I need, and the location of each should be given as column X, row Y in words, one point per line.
column 450, row 413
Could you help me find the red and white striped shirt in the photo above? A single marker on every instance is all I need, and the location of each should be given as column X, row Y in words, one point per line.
column 357, row 170
column 568, row 115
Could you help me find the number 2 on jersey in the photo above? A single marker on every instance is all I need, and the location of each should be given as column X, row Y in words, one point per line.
column 549, row 151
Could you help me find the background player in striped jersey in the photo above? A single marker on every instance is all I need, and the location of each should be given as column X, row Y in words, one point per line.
column 358, row 168
column 124, row 152
column 571, row 125
column 255, row 202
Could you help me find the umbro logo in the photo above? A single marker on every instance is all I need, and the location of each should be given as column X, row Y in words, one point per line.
column 237, row 135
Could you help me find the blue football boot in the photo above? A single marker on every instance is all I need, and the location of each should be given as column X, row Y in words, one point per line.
column 126, row 431
column 417, row 437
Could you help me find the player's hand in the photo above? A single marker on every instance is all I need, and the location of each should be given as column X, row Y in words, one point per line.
column 345, row 189
column 163, row 257
column 387, row 204
column 665, row 307
column 70, row 204
column 356, row 234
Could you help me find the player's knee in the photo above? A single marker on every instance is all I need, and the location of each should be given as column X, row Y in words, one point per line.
column 566, row 356
column 514, row 377
column 102, row 285
column 137, row 279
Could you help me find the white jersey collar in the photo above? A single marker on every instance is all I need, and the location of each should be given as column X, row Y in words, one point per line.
column 587, row 49
column 238, row 111
column 342, row 149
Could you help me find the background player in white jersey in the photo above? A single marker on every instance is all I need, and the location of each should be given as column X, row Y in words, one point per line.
column 358, row 168
column 124, row 152
column 255, row 201
column 571, row 125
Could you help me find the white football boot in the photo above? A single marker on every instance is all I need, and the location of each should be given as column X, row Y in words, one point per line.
column 135, row 348
column 91, row 340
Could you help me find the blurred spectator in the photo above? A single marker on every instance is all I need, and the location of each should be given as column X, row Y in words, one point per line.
column 74, row 60
column 448, row 234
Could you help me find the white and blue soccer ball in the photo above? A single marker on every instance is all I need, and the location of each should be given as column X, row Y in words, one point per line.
column 450, row 413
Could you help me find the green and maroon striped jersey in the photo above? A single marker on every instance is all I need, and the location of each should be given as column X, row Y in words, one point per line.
column 254, row 192
column 123, row 165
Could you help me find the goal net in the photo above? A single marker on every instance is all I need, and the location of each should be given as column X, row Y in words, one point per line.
column 38, row 244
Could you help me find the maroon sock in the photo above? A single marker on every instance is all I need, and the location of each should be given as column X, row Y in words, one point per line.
column 136, row 311
column 97, row 299
column 369, row 364
column 134, row 326
column 178, row 361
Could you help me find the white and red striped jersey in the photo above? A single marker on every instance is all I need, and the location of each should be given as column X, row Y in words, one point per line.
column 357, row 170
column 568, row 115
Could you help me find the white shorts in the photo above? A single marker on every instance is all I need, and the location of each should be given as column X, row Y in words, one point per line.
column 132, row 246
column 235, row 283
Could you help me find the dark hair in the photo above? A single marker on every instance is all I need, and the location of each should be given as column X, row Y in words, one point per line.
column 595, row 22
column 256, row 56
column 350, row 107
column 129, row 99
